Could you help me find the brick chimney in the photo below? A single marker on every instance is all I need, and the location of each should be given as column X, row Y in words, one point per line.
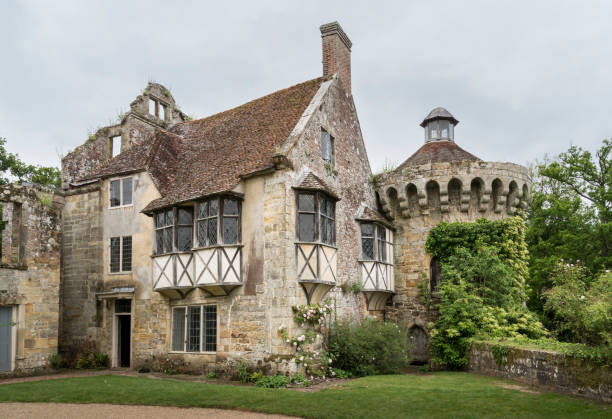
column 337, row 53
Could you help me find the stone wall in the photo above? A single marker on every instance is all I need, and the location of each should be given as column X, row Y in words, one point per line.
column 81, row 266
column 30, row 272
column 545, row 369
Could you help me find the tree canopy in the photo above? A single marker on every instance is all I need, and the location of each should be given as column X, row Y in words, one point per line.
column 13, row 169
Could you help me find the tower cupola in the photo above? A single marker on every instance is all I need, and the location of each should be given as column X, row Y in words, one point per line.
column 439, row 125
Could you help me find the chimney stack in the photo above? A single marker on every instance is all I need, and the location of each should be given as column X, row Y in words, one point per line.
column 337, row 53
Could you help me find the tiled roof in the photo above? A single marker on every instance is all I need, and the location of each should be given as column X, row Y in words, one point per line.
column 438, row 152
column 159, row 156
column 369, row 214
column 219, row 149
column 209, row 155
column 314, row 183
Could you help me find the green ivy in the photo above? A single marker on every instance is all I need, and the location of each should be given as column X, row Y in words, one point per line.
column 500, row 354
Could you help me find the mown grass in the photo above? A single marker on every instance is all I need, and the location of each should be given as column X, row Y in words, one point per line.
column 445, row 394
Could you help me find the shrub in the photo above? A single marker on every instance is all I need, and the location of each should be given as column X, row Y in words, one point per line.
column 273, row 381
column 211, row 375
column 370, row 347
column 256, row 376
column 580, row 305
column 299, row 379
column 339, row 373
column 243, row 373
column 101, row 360
column 56, row 361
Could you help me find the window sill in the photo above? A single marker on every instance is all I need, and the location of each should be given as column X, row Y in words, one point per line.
column 373, row 260
column 191, row 353
column 121, row 206
column 333, row 246
column 216, row 246
column 120, row 273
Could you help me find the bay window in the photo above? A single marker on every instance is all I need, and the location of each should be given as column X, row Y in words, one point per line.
column 374, row 242
column 218, row 221
column 164, row 231
column 316, row 218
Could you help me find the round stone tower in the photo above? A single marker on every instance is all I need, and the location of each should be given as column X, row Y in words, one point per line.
column 440, row 182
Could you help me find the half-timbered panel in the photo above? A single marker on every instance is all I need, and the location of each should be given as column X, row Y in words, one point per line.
column 328, row 263
column 163, row 272
column 184, row 270
column 206, row 262
column 230, row 263
column 307, row 258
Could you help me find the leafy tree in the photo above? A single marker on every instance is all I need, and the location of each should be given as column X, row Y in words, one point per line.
column 570, row 216
column 12, row 168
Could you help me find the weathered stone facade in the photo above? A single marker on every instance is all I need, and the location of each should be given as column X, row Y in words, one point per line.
column 261, row 155
column 30, row 275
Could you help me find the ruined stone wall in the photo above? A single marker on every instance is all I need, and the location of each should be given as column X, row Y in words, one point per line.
column 30, row 273
column 81, row 266
column 134, row 127
column 545, row 369
column 419, row 198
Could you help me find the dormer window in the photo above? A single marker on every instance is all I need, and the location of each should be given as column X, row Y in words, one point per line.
column 327, row 147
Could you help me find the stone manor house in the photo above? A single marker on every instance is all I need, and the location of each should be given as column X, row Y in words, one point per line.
column 191, row 240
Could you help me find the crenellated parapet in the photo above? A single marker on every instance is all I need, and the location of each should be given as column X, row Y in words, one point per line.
column 481, row 189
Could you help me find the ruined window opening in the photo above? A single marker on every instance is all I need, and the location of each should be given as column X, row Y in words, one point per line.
column 120, row 192
column 316, row 218
column 327, row 147
column 164, row 231
column 374, row 242
column 12, row 248
column 152, row 107
column 435, row 274
column 194, row 328
column 162, row 112
column 219, row 221
column 120, row 254
column 115, row 145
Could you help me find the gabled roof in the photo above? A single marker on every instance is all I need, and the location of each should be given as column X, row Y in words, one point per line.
column 218, row 150
column 210, row 155
column 312, row 182
column 368, row 214
column 437, row 152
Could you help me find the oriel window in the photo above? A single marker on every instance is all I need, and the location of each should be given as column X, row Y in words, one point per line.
column 316, row 218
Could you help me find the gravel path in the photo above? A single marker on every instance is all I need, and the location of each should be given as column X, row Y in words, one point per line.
column 107, row 411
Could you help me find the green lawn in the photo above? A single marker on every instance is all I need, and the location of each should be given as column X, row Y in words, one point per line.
column 444, row 394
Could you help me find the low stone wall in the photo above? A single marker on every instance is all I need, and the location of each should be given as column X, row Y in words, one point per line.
column 539, row 368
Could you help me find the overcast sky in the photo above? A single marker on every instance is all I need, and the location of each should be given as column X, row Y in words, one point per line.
column 524, row 78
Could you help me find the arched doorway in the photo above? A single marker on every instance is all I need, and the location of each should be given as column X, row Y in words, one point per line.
column 419, row 340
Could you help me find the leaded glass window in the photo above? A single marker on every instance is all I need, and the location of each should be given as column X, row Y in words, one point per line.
column 184, row 229
column 231, row 220
column 178, row 329
column 115, row 254
column 367, row 241
column 194, row 328
column 120, row 254
column 306, row 217
column 164, row 231
column 316, row 218
column 381, row 241
column 374, row 242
